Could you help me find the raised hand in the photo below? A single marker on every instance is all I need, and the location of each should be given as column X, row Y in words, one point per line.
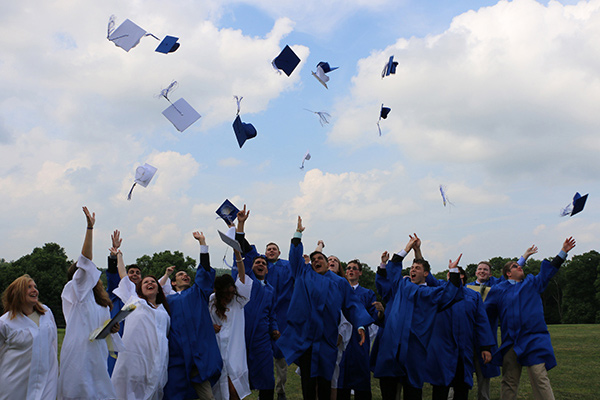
column 530, row 251
column 91, row 218
column 385, row 257
column 299, row 227
column 454, row 264
column 116, row 239
column 199, row 236
column 568, row 244
column 243, row 215
column 169, row 270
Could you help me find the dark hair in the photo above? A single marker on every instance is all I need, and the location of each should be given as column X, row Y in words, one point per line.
column 507, row 267
column 133, row 266
column 260, row 256
column 462, row 272
column 423, row 263
column 355, row 261
column 222, row 283
column 274, row 244
column 160, row 295
column 316, row 252
column 485, row 263
column 100, row 295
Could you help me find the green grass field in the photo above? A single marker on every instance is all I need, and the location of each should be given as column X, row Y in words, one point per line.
column 577, row 375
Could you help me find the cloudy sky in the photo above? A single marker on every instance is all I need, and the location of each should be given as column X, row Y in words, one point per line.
column 495, row 101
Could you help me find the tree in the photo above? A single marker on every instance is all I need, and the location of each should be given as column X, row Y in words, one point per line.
column 159, row 262
column 580, row 295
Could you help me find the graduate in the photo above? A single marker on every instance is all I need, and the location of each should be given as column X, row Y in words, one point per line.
column 310, row 337
column 409, row 320
column 355, row 373
column 226, row 307
column 28, row 344
column 86, row 306
column 140, row 372
column 194, row 358
column 259, row 313
column 525, row 337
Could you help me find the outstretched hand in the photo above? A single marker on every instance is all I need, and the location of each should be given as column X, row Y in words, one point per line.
column 91, row 218
column 243, row 215
column 568, row 244
column 416, row 241
column 530, row 251
column 299, row 227
column 116, row 239
column 199, row 236
column 454, row 264
column 385, row 257
column 169, row 270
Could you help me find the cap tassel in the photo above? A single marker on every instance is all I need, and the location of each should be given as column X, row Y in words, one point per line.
column 238, row 100
column 111, row 29
column 131, row 191
column 165, row 93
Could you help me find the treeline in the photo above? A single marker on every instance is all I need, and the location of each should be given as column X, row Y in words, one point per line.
column 572, row 297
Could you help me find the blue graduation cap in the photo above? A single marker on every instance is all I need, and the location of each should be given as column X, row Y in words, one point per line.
column 322, row 69
column 389, row 68
column 243, row 131
column 286, row 61
column 168, row 45
column 383, row 113
column 576, row 206
column 227, row 211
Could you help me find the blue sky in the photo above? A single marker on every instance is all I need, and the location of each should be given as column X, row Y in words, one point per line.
column 495, row 100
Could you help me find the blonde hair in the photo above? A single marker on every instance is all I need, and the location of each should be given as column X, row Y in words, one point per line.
column 14, row 297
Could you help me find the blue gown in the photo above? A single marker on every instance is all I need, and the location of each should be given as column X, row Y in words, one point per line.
column 408, row 326
column 354, row 367
column 260, row 319
column 314, row 314
column 281, row 278
column 192, row 338
column 112, row 282
column 519, row 307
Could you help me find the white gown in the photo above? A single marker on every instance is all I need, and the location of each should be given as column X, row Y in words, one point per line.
column 83, row 370
column 232, row 343
column 141, row 370
column 28, row 361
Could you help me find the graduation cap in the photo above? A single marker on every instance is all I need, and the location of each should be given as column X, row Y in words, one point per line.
column 286, row 61
column 383, row 113
column 127, row 35
column 445, row 196
column 306, row 158
column 576, row 205
column 181, row 114
column 322, row 69
column 243, row 131
column 229, row 239
column 168, row 45
column 389, row 67
column 227, row 211
column 143, row 176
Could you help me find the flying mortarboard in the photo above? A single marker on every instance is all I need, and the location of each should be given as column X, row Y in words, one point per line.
column 126, row 36
column 306, row 158
column 323, row 116
column 322, row 69
column 243, row 131
column 228, row 211
column 389, row 68
column 168, row 45
column 383, row 113
column 286, row 61
column 229, row 239
column 143, row 176
column 576, row 205
column 181, row 114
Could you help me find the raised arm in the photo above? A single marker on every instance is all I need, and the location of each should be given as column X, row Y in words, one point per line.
column 417, row 246
column 528, row 253
column 163, row 279
column 121, row 265
column 204, row 257
column 240, row 266
column 88, row 242
column 320, row 246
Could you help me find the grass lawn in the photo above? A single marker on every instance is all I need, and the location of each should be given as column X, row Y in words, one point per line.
column 577, row 375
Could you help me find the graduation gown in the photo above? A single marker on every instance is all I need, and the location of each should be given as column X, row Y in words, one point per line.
column 28, row 357
column 260, row 322
column 281, row 278
column 140, row 372
column 408, row 326
column 83, row 372
column 192, row 340
column 354, row 367
column 112, row 282
column 458, row 332
column 314, row 314
column 519, row 307
column 232, row 343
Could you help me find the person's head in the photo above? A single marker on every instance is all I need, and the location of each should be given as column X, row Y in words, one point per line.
column 335, row 266
column 21, row 295
column 463, row 275
column 134, row 273
column 353, row 271
column 259, row 267
column 483, row 271
column 149, row 289
column 419, row 270
column 319, row 262
column 512, row 270
column 272, row 252
column 225, row 293
column 100, row 295
column 182, row 281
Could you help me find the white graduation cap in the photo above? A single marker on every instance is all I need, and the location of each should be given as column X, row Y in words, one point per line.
column 181, row 114
column 306, row 158
column 229, row 239
column 126, row 36
column 322, row 69
column 143, row 176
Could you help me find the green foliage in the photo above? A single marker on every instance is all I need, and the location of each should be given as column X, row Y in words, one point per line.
column 159, row 262
column 580, row 295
